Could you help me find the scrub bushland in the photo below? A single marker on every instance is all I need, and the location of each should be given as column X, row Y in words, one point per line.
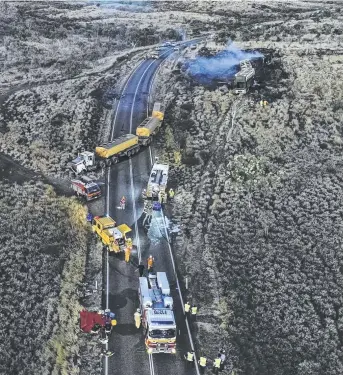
column 259, row 197
column 60, row 63
column 44, row 246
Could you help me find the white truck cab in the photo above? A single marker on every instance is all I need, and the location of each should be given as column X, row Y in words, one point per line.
column 84, row 161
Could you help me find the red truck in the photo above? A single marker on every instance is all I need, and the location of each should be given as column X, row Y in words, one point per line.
column 85, row 187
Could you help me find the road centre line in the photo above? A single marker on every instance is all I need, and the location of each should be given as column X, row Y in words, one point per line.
column 122, row 91
column 108, row 202
column 151, row 365
column 112, row 132
column 151, row 161
column 134, row 97
column 151, row 362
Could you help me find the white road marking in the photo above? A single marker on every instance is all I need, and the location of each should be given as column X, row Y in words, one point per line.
column 134, row 97
column 135, row 214
column 179, row 290
column 108, row 192
column 106, row 362
column 107, row 281
column 151, row 365
column 112, row 132
column 152, row 81
column 175, row 274
column 116, row 114
column 151, row 161
column 108, row 206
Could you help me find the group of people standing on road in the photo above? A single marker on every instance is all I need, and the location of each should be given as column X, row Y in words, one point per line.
column 150, row 265
column 162, row 197
column 217, row 363
column 191, row 310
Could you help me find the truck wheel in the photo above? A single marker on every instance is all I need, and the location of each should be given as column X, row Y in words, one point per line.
column 129, row 153
column 115, row 160
column 108, row 162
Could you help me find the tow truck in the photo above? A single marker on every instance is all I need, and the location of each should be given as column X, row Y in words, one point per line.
column 157, row 314
column 115, row 238
column 86, row 187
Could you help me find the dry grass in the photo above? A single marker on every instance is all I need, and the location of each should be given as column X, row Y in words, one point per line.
column 43, row 259
column 260, row 202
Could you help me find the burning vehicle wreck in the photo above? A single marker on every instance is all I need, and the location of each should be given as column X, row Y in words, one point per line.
column 231, row 66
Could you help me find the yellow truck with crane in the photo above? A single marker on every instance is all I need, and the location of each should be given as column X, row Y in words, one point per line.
column 127, row 145
column 115, row 238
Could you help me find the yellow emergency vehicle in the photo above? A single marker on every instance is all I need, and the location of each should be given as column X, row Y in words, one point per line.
column 115, row 238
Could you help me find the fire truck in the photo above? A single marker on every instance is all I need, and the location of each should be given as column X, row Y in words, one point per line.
column 157, row 314
column 85, row 187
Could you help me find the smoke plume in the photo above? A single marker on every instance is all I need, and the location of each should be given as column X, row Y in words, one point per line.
column 222, row 66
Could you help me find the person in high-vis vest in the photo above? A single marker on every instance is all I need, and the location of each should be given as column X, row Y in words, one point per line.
column 202, row 364
column 138, row 318
column 216, row 364
column 113, row 322
column 106, row 353
column 189, row 357
column 150, row 262
column 187, row 308
column 127, row 253
column 171, row 193
column 194, row 311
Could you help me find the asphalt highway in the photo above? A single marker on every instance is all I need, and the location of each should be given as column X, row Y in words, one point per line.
column 129, row 178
